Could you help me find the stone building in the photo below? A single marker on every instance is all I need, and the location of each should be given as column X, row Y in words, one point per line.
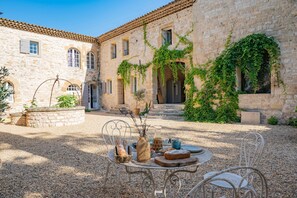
column 34, row 54
column 211, row 20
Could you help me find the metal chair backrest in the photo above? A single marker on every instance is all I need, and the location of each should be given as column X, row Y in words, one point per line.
column 205, row 189
column 115, row 130
column 251, row 149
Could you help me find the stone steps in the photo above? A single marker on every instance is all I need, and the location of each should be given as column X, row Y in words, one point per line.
column 116, row 110
column 167, row 112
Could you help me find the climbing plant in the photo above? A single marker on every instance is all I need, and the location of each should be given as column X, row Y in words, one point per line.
column 125, row 69
column 217, row 100
column 163, row 57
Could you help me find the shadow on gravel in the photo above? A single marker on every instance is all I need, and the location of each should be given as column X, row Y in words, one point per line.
column 51, row 167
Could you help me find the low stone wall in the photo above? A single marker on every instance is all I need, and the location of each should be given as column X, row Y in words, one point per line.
column 50, row 117
column 18, row 119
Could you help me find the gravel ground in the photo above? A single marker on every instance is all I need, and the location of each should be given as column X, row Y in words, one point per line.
column 68, row 161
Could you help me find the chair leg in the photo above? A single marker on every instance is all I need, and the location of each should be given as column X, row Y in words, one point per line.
column 106, row 174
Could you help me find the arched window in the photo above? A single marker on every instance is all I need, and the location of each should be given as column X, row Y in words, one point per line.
column 9, row 86
column 73, row 89
column 264, row 78
column 90, row 60
column 73, row 58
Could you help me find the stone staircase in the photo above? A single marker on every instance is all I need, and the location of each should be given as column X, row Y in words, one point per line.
column 167, row 111
column 116, row 110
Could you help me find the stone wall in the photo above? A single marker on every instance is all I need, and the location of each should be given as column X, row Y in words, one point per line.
column 180, row 22
column 214, row 19
column 18, row 119
column 53, row 117
column 27, row 71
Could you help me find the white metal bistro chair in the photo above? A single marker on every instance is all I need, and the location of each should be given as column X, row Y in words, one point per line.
column 251, row 150
column 206, row 189
column 111, row 131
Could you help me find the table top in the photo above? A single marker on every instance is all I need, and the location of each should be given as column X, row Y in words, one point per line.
column 202, row 157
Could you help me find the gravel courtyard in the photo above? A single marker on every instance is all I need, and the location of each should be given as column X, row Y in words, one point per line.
column 68, row 161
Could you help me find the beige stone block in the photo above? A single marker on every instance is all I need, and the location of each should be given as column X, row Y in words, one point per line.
column 276, row 106
column 250, row 117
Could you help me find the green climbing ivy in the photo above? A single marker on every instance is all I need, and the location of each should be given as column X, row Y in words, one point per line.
column 217, row 100
column 163, row 57
column 125, row 69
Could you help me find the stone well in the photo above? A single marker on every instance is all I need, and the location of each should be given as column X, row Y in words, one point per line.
column 50, row 117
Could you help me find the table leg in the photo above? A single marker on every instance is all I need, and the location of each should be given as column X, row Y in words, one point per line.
column 147, row 182
column 174, row 180
column 170, row 178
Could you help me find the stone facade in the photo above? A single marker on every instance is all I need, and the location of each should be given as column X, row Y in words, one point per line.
column 27, row 71
column 214, row 19
column 53, row 117
column 180, row 22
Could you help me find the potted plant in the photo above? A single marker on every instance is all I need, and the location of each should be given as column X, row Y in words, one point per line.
column 138, row 96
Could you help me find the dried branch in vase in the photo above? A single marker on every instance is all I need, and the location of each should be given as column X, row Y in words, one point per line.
column 140, row 124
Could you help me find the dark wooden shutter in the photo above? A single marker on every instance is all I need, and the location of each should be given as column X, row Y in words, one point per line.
column 85, row 95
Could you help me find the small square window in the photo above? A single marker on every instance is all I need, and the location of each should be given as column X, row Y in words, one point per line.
column 34, row 47
column 167, row 37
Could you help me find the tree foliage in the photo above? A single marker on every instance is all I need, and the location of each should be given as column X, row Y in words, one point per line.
column 4, row 91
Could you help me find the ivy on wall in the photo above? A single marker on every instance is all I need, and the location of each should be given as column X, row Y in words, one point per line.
column 125, row 69
column 217, row 100
column 163, row 57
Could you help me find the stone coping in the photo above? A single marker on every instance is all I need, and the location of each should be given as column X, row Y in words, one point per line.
column 17, row 114
column 53, row 109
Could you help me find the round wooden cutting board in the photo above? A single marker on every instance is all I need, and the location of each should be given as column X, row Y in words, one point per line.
column 175, row 163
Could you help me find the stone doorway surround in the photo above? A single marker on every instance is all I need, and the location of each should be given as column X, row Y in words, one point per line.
column 170, row 92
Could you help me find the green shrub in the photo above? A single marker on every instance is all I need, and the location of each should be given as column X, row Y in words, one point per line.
column 4, row 91
column 293, row 122
column 67, row 101
column 272, row 120
column 87, row 110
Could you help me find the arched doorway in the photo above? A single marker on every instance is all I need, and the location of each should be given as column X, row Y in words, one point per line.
column 171, row 91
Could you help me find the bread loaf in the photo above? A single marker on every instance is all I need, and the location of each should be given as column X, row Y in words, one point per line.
column 177, row 154
column 120, row 149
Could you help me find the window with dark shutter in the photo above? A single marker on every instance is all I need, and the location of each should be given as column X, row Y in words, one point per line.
column 125, row 47
column 113, row 51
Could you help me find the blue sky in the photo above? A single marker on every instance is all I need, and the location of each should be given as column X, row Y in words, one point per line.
column 90, row 17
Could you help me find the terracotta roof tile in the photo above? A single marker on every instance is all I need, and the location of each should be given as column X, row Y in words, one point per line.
column 159, row 13
column 47, row 31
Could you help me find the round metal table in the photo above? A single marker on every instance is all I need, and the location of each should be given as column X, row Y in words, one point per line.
column 147, row 169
